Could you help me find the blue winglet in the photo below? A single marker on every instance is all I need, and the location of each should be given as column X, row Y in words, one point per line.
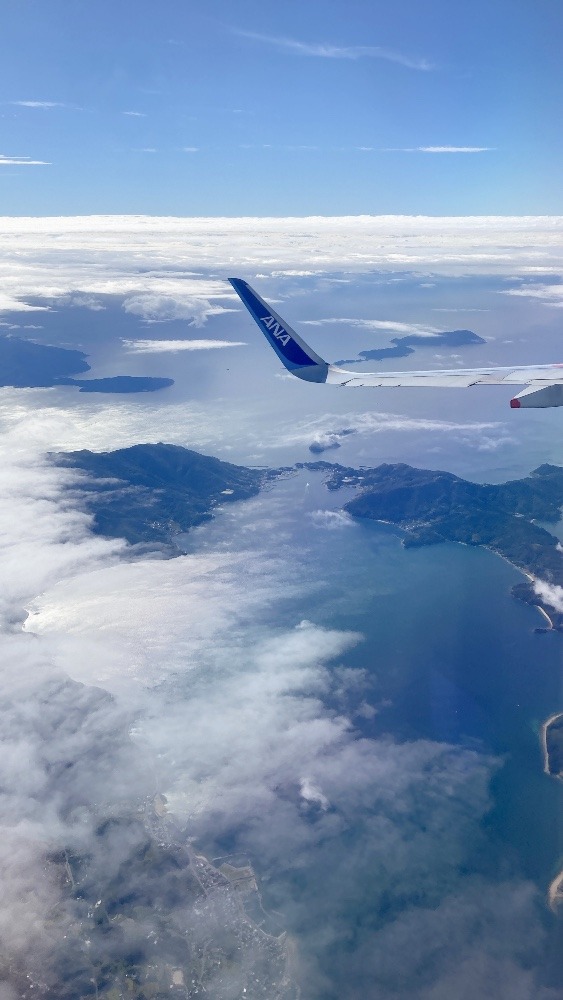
column 293, row 352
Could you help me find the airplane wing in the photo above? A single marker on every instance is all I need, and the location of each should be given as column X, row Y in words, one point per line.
column 544, row 383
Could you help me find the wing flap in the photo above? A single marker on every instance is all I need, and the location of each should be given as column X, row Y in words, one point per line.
column 457, row 379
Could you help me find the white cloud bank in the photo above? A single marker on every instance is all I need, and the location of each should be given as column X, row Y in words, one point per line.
column 322, row 432
column 171, row 346
column 377, row 324
column 21, row 161
column 552, row 594
column 42, row 105
column 158, row 265
column 441, row 149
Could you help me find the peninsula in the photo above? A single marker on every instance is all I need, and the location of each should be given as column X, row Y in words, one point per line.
column 149, row 493
column 26, row 364
column 430, row 507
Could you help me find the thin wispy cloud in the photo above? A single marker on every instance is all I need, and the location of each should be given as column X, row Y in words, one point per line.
column 159, row 346
column 325, row 50
column 22, row 161
column 455, row 149
column 190, row 149
column 44, row 105
column 134, row 114
column 289, row 148
column 438, row 149
column 376, row 324
column 37, row 104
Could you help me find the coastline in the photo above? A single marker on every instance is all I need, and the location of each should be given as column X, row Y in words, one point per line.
column 555, row 893
column 555, row 888
column 543, row 740
column 545, row 614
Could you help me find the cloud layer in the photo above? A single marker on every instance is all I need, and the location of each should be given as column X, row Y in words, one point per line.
column 170, row 346
column 155, row 265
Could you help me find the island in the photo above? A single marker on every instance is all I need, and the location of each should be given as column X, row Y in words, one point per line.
column 407, row 345
column 25, row 364
column 118, row 383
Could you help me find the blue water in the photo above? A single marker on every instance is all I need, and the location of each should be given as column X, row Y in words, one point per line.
column 460, row 661
column 451, row 656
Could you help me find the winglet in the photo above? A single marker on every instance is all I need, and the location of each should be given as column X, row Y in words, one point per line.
column 293, row 352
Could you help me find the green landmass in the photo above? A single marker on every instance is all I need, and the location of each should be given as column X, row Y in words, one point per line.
column 432, row 507
column 25, row 364
column 403, row 346
column 165, row 922
column 123, row 907
column 151, row 492
column 118, row 383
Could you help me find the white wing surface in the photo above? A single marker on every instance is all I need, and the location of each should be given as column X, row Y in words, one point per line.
column 544, row 382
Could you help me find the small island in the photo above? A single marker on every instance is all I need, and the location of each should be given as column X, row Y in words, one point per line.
column 407, row 345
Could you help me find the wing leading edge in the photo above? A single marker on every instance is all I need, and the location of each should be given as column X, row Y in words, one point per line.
column 544, row 383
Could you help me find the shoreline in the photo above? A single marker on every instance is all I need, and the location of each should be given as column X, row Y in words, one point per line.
column 546, row 616
column 543, row 740
column 555, row 888
column 555, row 893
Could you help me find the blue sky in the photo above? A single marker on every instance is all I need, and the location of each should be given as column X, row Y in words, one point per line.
column 296, row 108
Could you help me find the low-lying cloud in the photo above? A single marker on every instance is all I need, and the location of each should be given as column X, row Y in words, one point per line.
column 158, row 265
column 413, row 329
column 321, row 434
column 551, row 593
column 170, row 346
column 21, row 161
